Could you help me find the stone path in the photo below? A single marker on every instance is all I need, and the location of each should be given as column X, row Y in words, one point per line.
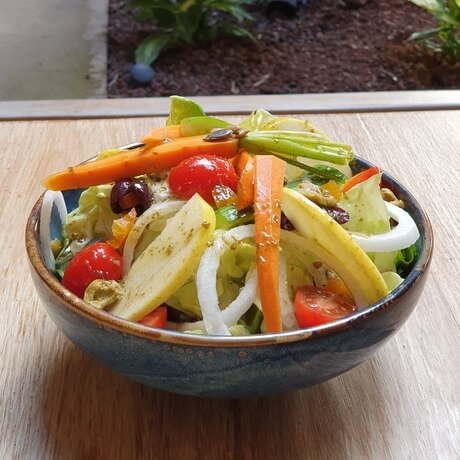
column 53, row 49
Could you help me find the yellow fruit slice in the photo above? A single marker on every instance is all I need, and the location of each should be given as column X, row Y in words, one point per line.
column 334, row 247
column 166, row 264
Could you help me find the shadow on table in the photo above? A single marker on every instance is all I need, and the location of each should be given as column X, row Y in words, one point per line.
column 89, row 411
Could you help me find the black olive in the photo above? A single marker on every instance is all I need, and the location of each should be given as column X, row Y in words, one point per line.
column 286, row 224
column 129, row 193
column 338, row 214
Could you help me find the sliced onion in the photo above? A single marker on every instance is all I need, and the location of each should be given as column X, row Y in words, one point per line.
column 159, row 210
column 288, row 319
column 243, row 302
column 50, row 199
column 239, row 233
column 206, row 284
column 215, row 320
column 402, row 236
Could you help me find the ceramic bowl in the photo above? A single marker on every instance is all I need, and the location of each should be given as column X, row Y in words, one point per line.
column 231, row 367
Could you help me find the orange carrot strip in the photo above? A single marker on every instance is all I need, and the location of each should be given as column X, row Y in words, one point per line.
column 268, row 190
column 158, row 135
column 245, row 187
column 140, row 161
column 240, row 161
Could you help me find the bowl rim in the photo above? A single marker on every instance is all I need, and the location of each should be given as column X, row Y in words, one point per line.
column 111, row 322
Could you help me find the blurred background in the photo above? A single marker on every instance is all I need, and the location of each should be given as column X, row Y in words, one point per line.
column 71, row 49
column 53, row 49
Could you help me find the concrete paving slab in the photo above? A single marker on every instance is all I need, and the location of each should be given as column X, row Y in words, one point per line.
column 53, row 49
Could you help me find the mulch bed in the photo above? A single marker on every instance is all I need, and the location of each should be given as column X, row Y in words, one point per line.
column 327, row 47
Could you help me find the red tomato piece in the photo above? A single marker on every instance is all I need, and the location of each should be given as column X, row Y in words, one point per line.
column 98, row 261
column 200, row 174
column 156, row 318
column 314, row 306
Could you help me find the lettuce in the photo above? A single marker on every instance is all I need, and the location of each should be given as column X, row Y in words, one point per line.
column 181, row 108
column 93, row 217
column 257, row 120
column 366, row 208
column 405, row 259
column 392, row 280
column 235, row 263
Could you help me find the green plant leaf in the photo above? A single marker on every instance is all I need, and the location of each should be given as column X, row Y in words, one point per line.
column 239, row 13
column 190, row 16
column 424, row 34
column 237, row 31
column 150, row 48
column 165, row 17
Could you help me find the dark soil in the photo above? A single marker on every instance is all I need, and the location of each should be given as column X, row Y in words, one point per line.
column 327, row 47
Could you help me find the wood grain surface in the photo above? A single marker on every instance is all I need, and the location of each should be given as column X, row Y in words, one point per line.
column 404, row 403
column 287, row 103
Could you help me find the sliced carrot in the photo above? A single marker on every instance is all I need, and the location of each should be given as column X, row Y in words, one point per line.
column 360, row 177
column 140, row 161
column 245, row 187
column 239, row 162
column 268, row 190
column 159, row 135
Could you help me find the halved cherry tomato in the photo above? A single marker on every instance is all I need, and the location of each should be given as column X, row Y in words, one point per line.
column 98, row 261
column 314, row 306
column 156, row 318
column 200, row 174
column 360, row 177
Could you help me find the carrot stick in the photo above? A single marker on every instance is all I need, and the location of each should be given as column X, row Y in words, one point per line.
column 268, row 190
column 240, row 161
column 245, row 187
column 158, row 135
column 140, row 161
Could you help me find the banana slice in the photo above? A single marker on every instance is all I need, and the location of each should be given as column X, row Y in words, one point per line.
column 166, row 264
column 335, row 248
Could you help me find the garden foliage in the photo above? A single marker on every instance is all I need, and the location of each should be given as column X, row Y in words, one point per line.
column 180, row 22
column 446, row 37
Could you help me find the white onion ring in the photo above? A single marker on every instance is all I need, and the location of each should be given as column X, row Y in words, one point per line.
column 243, row 301
column 288, row 319
column 206, row 286
column 50, row 199
column 155, row 211
column 215, row 320
column 402, row 236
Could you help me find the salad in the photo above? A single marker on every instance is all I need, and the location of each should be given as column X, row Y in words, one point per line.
column 206, row 227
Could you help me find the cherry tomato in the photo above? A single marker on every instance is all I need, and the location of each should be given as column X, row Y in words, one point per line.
column 156, row 318
column 314, row 306
column 200, row 174
column 98, row 261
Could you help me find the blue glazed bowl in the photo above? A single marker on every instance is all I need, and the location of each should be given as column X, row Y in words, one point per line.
column 231, row 367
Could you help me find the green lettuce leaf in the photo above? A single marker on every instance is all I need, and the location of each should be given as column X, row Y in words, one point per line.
column 93, row 218
column 366, row 208
column 257, row 120
column 181, row 108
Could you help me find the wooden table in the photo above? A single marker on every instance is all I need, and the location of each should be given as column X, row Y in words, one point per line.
column 56, row 403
